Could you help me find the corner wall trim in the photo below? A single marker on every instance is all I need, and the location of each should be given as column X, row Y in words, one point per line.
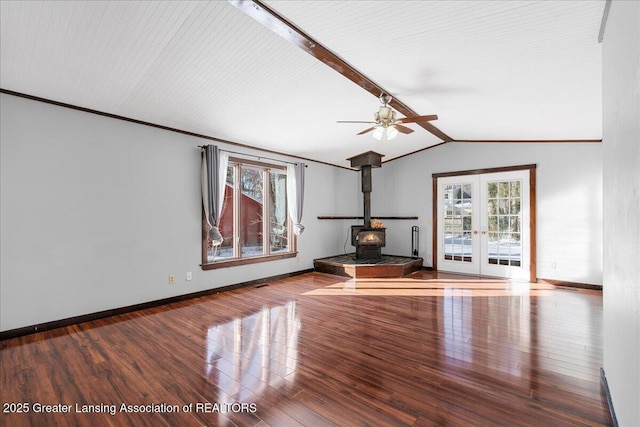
column 27, row 330
column 604, row 389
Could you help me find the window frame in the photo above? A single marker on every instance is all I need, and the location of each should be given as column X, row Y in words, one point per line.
column 238, row 259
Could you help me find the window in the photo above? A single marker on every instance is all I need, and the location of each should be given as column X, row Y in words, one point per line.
column 255, row 223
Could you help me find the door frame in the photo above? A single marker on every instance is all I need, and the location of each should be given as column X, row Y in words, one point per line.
column 532, row 209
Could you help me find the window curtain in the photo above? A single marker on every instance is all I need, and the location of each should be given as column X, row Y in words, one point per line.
column 214, row 177
column 295, row 195
column 279, row 209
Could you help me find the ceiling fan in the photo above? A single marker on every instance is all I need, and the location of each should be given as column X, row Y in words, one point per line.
column 386, row 126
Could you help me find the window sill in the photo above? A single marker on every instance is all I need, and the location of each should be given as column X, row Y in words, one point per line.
column 246, row 261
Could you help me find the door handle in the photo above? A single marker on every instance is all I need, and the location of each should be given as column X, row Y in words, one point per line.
column 475, row 232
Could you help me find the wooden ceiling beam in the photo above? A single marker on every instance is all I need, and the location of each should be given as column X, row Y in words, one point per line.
column 286, row 29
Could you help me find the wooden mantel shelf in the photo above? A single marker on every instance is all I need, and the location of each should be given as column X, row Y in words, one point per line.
column 372, row 216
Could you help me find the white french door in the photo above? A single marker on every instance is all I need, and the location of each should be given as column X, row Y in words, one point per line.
column 483, row 224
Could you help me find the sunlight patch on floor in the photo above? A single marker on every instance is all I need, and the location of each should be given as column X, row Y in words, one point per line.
column 433, row 287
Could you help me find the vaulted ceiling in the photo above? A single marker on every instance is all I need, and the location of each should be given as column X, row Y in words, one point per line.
column 491, row 70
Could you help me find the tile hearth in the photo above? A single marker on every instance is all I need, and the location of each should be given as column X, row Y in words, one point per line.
column 386, row 266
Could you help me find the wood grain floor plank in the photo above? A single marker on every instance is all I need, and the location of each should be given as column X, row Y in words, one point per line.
column 322, row 350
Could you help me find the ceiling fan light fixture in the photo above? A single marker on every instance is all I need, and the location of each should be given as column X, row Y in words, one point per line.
column 385, row 114
column 392, row 132
column 385, row 133
column 386, row 126
column 378, row 132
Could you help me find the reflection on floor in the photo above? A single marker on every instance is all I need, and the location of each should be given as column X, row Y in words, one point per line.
column 319, row 349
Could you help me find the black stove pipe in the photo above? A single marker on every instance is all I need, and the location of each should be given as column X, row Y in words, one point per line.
column 366, row 193
column 366, row 161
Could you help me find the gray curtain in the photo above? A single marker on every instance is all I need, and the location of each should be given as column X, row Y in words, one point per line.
column 295, row 195
column 280, row 209
column 214, row 176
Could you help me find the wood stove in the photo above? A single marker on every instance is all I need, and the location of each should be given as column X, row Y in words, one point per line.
column 368, row 241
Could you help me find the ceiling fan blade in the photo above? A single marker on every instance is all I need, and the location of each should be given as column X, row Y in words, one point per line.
column 403, row 129
column 353, row 121
column 417, row 119
column 366, row 130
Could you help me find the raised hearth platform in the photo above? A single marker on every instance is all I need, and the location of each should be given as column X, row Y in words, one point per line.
column 389, row 266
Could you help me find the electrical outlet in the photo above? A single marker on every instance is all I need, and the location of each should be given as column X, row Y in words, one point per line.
column 172, row 279
column 189, row 276
column 553, row 265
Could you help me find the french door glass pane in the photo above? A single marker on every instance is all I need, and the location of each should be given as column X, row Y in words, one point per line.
column 251, row 207
column 278, row 241
column 504, row 220
column 457, row 213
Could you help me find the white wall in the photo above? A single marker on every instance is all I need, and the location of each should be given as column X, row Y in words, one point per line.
column 569, row 200
column 96, row 213
column 621, row 170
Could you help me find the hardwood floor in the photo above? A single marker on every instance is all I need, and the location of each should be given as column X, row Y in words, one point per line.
column 323, row 350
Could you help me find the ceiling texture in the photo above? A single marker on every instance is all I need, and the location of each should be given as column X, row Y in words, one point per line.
column 237, row 70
